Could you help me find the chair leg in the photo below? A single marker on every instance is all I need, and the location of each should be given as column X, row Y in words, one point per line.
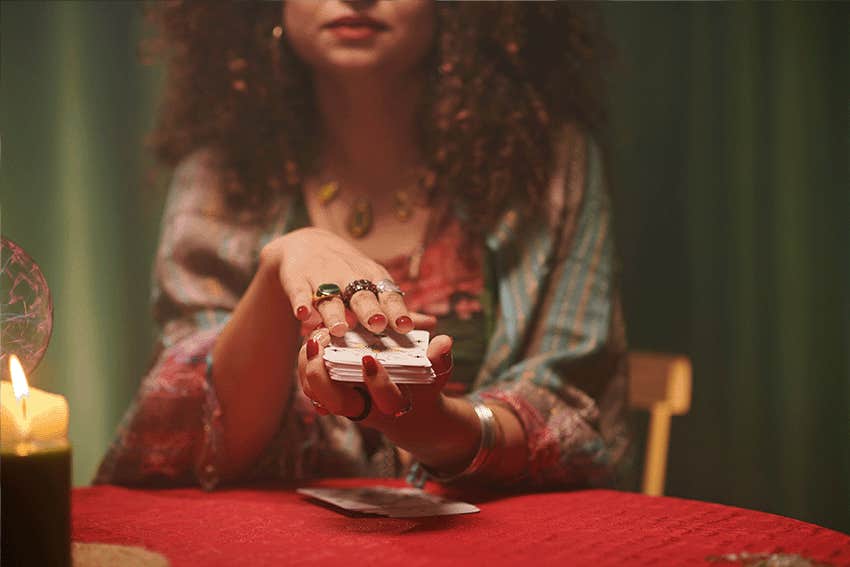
column 655, row 464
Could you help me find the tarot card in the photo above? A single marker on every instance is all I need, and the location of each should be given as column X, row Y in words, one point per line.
column 388, row 501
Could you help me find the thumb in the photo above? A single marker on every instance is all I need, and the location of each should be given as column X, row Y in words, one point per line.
column 440, row 355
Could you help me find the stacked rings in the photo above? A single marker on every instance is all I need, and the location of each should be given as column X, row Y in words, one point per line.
column 325, row 292
column 388, row 286
column 355, row 286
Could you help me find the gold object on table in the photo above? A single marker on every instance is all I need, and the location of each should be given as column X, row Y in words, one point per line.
column 110, row 555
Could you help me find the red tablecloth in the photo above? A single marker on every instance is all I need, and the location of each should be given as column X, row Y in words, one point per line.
column 257, row 527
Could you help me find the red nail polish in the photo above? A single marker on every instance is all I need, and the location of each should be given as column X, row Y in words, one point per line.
column 403, row 321
column 302, row 312
column 377, row 320
column 312, row 348
column 370, row 365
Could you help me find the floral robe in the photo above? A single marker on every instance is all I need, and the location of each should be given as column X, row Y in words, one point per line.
column 534, row 312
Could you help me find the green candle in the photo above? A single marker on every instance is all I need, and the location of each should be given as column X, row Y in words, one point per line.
column 35, row 477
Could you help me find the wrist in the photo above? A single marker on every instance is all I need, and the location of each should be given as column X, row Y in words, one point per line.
column 446, row 437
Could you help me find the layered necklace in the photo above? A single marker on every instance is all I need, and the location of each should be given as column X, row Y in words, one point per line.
column 359, row 219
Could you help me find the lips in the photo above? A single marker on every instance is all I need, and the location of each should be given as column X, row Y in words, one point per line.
column 359, row 21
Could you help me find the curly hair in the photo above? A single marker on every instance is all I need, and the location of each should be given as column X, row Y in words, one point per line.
column 505, row 78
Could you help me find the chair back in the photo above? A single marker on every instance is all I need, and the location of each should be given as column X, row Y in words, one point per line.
column 660, row 384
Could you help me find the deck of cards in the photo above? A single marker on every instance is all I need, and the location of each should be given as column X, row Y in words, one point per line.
column 404, row 356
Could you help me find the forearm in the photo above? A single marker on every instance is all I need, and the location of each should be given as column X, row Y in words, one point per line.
column 253, row 366
column 448, row 441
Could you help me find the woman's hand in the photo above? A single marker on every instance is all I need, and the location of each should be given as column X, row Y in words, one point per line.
column 390, row 401
column 437, row 430
column 309, row 257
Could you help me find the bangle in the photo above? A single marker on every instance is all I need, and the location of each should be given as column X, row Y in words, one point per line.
column 419, row 473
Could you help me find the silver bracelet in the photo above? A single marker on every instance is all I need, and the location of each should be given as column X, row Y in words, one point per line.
column 419, row 473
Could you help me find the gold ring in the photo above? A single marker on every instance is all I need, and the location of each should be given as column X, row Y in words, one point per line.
column 325, row 292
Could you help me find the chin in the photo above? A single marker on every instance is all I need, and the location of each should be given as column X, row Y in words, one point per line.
column 352, row 60
column 355, row 61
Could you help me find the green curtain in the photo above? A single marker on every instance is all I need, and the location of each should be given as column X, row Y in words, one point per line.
column 75, row 105
column 729, row 155
column 729, row 163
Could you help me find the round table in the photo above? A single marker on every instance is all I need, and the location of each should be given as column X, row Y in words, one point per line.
column 276, row 526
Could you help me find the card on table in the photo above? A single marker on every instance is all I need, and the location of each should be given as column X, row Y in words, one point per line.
column 403, row 355
column 388, row 501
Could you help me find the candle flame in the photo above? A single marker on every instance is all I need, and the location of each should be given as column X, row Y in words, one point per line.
column 19, row 378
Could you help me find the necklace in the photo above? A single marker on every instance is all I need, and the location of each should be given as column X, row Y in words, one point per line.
column 360, row 219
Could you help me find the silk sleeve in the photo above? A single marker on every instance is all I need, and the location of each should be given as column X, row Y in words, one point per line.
column 565, row 376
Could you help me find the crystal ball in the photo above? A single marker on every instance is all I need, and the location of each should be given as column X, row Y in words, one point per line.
column 26, row 311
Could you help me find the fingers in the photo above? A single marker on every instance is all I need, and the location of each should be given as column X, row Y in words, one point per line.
column 374, row 312
column 393, row 305
column 307, row 352
column 313, row 322
column 365, row 305
column 423, row 321
column 322, row 336
column 333, row 314
column 318, row 386
column 386, row 395
column 300, row 296
column 440, row 354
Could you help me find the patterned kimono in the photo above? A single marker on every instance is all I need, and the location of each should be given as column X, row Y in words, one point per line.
column 534, row 314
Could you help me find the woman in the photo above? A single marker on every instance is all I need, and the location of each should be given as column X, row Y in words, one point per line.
column 440, row 149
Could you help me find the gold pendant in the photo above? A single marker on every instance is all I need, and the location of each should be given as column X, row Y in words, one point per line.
column 403, row 205
column 360, row 219
column 327, row 192
column 415, row 263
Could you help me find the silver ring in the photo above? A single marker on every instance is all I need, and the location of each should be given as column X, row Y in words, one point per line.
column 387, row 286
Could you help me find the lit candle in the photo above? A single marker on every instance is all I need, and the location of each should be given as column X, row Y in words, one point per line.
column 35, row 466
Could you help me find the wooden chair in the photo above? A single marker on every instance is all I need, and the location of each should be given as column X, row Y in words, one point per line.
column 660, row 384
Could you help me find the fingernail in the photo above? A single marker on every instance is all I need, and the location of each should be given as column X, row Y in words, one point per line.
column 403, row 321
column 338, row 329
column 312, row 348
column 302, row 312
column 377, row 320
column 370, row 365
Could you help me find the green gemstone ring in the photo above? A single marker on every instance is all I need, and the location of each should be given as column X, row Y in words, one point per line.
column 325, row 292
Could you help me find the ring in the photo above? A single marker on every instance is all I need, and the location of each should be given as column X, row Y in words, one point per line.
column 367, row 401
column 316, row 404
column 407, row 409
column 354, row 287
column 387, row 286
column 448, row 370
column 325, row 292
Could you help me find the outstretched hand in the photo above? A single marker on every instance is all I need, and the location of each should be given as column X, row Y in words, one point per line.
column 393, row 405
column 310, row 257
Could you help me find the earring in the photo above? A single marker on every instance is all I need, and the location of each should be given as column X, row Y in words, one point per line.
column 275, row 48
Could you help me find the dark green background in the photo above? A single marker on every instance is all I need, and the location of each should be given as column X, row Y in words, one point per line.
column 729, row 164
